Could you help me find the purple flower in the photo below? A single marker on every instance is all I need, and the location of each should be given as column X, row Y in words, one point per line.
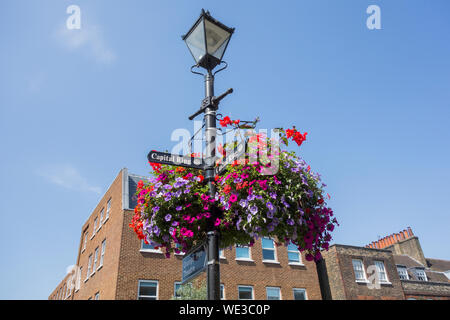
column 156, row 230
column 253, row 209
column 167, row 186
column 168, row 217
column 179, row 208
column 249, row 218
column 290, row 222
column 168, row 196
column 270, row 227
column 273, row 195
column 243, row 203
column 251, row 197
column 238, row 223
column 155, row 209
column 178, row 193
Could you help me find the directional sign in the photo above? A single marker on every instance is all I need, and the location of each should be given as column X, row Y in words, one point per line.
column 194, row 262
column 175, row 160
column 236, row 154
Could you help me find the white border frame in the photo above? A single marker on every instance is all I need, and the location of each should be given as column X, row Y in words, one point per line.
column 139, row 286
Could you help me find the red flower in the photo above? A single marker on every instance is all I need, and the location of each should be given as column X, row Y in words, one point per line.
column 225, row 121
column 201, row 178
column 227, row 189
column 290, row 132
column 155, row 166
column 140, row 184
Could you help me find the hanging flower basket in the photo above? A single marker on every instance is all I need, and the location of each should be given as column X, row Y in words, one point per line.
column 287, row 204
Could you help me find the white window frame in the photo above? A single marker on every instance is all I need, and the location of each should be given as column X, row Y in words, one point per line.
column 139, row 287
column 175, row 288
column 419, row 272
column 102, row 254
column 95, row 261
column 402, row 271
column 97, row 296
column 149, row 250
column 85, row 235
column 80, row 273
column 88, row 274
column 249, row 253
column 381, row 268
column 222, row 254
column 299, row 289
column 108, row 209
column 181, row 253
column 294, row 263
column 363, row 271
column 100, row 223
column 274, row 249
column 222, row 292
column 244, row 286
column 94, row 230
column 277, row 288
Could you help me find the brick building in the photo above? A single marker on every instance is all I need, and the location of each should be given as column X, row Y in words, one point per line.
column 393, row 267
column 113, row 264
column 421, row 277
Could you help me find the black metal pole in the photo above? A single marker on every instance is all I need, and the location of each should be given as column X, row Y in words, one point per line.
column 213, row 269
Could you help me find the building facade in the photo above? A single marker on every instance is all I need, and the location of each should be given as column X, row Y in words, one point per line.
column 113, row 264
column 391, row 268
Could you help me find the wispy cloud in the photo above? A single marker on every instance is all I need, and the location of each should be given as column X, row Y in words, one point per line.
column 68, row 177
column 88, row 40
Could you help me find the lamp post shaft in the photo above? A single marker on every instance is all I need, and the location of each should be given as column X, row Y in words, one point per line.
column 213, row 269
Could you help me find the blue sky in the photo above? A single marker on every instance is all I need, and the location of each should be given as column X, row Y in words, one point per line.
column 78, row 105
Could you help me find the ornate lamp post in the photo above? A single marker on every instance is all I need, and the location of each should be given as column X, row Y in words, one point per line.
column 207, row 41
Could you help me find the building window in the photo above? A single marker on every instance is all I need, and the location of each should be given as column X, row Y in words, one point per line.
column 89, row 267
column 381, row 271
column 108, row 209
column 299, row 294
column 273, row 293
column 64, row 292
column 242, row 252
column 245, row 293
column 149, row 247
column 85, row 240
column 179, row 247
column 268, row 250
column 95, row 259
column 222, row 292
column 176, row 287
column 294, row 256
column 222, row 254
column 147, row 290
column 402, row 272
column 103, row 253
column 95, row 227
column 358, row 267
column 97, row 296
column 101, row 218
column 420, row 274
column 80, row 272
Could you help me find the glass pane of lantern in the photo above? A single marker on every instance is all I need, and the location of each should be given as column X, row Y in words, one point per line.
column 216, row 39
column 196, row 42
column 219, row 52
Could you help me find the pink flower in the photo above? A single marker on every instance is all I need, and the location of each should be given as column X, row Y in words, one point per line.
column 233, row 198
column 217, row 222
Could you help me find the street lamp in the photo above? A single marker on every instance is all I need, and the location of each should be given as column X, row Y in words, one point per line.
column 207, row 41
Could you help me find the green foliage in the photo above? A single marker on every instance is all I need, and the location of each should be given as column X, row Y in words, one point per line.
column 190, row 291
